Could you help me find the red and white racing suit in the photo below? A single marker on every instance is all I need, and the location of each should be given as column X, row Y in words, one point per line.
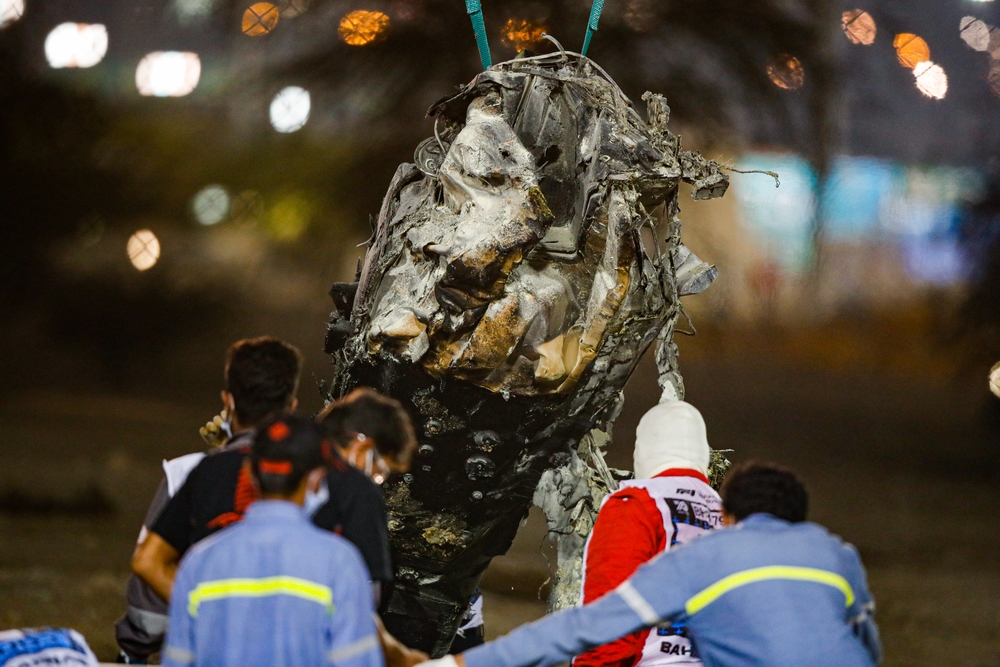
column 643, row 518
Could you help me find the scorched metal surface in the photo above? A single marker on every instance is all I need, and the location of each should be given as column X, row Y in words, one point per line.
column 506, row 297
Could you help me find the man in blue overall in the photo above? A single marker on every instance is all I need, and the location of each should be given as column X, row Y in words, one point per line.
column 274, row 590
column 774, row 591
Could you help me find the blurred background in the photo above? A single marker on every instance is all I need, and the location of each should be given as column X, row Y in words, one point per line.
column 177, row 174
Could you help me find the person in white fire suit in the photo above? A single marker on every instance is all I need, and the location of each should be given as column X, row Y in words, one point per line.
column 669, row 503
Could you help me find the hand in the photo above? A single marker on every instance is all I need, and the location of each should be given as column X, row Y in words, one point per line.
column 446, row 661
column 411, row 657
column 213, row 432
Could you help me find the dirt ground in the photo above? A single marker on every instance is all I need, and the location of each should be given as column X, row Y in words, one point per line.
column 901, row 465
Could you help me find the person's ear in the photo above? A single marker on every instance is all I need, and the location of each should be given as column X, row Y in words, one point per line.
column 228, row 402
column 315, row 479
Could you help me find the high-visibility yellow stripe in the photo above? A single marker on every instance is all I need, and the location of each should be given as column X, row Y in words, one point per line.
column 253, row 588
column 723, row 586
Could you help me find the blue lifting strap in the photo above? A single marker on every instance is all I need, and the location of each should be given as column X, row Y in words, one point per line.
column 595, row 16
column 475, row 11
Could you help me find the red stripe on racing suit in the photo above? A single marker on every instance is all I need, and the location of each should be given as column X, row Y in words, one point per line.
column 643, row 518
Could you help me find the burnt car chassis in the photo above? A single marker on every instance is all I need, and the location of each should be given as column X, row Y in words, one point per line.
column 519, row 268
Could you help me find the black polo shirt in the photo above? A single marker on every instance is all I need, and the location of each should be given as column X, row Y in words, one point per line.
column 219, row 489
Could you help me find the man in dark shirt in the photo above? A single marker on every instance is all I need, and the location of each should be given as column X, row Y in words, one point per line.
column 261, row 378
column 367, row 430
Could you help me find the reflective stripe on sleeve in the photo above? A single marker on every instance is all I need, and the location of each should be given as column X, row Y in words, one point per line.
column 786, row 572
column 637, row 603
column 253, row 588
column 180, row 655
column 354, row 649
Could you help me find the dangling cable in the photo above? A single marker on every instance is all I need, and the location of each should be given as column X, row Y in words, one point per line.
column 475, row 11
column 595, row 16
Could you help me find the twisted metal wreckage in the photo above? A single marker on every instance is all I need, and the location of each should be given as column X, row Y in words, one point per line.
column 506, row 297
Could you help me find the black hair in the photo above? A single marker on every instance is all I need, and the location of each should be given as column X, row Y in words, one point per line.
column 284, row 451
column 753, row 487
column 365, row 411
column 262, row 374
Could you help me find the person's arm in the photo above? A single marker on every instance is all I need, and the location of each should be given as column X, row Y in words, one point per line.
column 397, row 654
column 861, row 614
column 612, row 559
column 179, row 648
column 364, row 523
column 557, row 638
column 155, row 561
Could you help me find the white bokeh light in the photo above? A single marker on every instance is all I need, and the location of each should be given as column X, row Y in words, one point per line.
column 975, row 33
column 143, row 249
column 211, row 205
column 10, row 11
column 168, row 73
column 290, row 109
column 76, row 45
column 931, row 80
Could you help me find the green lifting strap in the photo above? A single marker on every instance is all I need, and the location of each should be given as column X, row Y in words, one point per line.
column 595, row 16
column 475, row 11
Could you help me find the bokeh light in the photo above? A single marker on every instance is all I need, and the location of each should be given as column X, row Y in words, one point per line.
column 10, row 11
column 289, row 217
column 931, row 80
column 911, row 50
column 859, row 26
column 248, row 208
column 260, row 19
column 993, row 77
column 363, row 27
column 190, row 11
column 786, row 72
column 521, row 33
column 292, row 8
column 143, row 249
column 290, row 109
column 975, row 33
column 168, row 73
column 210, row 205
column 76, row 45
column 639, row 15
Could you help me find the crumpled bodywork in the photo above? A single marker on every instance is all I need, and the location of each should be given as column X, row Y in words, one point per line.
column 506, row 297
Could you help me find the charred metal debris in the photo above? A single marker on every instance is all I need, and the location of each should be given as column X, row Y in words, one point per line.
column 505, row 299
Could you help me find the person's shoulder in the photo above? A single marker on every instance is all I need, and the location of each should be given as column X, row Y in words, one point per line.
column 324, row 541
column 347, row 482
column 219, row 540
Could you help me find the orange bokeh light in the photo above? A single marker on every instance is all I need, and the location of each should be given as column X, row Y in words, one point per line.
column 911, row 50
column 859, row 26
column 520, row 33
column 260, row 19
column 786, row 72
column 363, row 27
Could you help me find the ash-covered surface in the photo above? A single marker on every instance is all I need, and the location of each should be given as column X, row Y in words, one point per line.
column 505, row 299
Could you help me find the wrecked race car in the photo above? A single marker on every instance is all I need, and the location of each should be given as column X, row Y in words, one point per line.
column 519, row 268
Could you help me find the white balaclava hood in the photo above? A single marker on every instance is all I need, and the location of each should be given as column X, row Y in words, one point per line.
column 671, row 435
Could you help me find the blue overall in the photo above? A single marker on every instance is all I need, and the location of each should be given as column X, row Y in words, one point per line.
column 272, row 591
column 766, row 593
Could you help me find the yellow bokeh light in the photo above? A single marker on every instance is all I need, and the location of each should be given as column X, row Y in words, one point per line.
column 911, row 50
column 520, row 33
column 859, row 26
column 931, row 80
column 786, row 72
column 260, row 19
column 143, row 249
column 363, row 27
column 289, row 217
